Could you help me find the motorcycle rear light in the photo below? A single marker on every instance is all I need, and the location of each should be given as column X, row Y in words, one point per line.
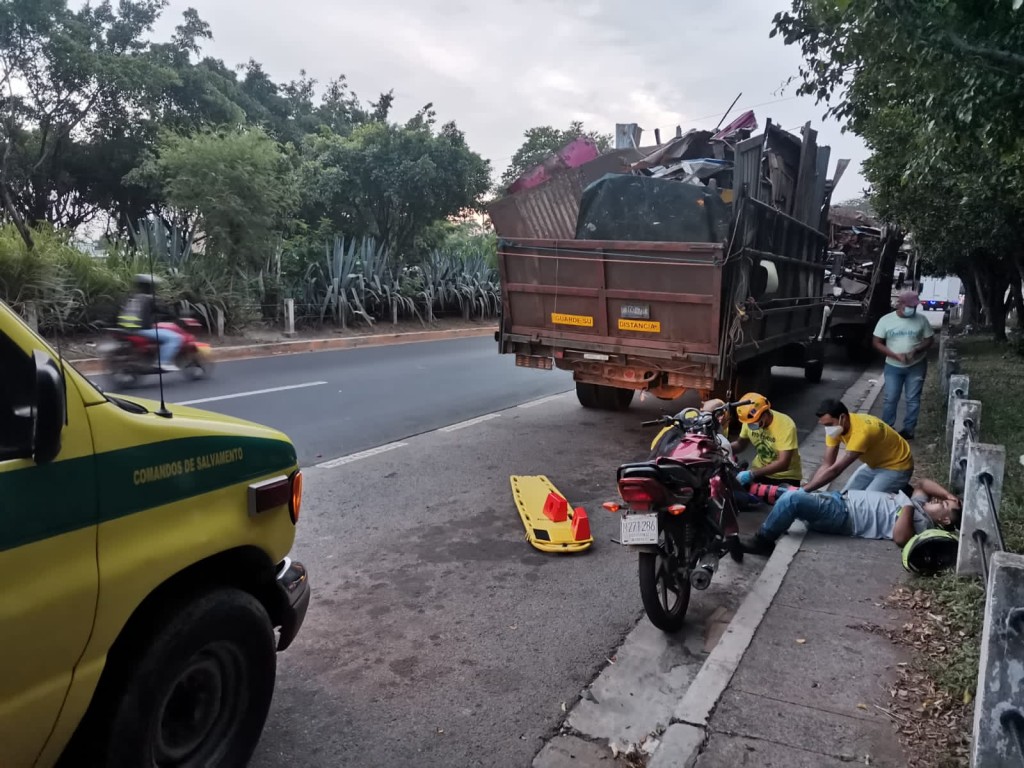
column 677, row 509
column 641, row 493
column 611, row 506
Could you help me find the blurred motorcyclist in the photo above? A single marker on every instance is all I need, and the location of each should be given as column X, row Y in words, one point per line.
column 143, row 311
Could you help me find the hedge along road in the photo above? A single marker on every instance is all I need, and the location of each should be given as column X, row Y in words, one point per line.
column 336, row 403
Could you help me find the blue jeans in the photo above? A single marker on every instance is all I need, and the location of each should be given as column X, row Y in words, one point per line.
column 898, row 380
column 170, row 343
column 824, row 512
column 885, row 480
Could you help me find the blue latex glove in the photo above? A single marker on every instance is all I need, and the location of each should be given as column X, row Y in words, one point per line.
column 746, row 477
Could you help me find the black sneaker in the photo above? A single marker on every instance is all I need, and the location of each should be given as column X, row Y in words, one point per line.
column 906, row 435
column 757, row 545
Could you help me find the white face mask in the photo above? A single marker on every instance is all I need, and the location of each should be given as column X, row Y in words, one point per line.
column 908, row 311
column 834, row 431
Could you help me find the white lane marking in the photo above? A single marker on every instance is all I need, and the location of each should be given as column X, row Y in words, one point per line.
column 253, row 392
column 361, row 455
column 541, row 401
column 470, row 422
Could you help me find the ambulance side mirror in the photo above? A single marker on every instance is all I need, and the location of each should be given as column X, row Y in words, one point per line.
column 50, row 409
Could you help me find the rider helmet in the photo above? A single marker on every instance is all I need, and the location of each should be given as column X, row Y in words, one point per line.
column 931, row 552
column 758, row 406
column 146, row 283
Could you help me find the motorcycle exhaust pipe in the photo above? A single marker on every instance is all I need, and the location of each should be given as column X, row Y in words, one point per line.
column 700, row 577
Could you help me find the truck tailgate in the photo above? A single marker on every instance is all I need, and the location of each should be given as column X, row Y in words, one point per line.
column 666, row 299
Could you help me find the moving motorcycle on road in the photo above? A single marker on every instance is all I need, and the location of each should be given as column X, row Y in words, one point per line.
column 130, row 356
column 680, row 512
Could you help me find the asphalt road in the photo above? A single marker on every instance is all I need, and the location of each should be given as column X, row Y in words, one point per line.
column 436, row 635
column 336, row 403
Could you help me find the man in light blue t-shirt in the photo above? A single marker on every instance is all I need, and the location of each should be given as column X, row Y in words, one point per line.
column 865, row 514
column 904, row 337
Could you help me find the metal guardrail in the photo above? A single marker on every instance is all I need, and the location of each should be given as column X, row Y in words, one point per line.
column 976, row 471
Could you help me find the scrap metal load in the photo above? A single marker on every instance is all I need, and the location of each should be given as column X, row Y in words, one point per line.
column 694, row 264
column 861, row 265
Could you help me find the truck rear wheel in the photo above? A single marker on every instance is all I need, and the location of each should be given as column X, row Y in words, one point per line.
column 614, row 398
column 814, row 370
column 199, row 693
column 587, row 395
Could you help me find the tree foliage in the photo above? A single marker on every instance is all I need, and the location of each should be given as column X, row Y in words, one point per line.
column 100, row 122
column 237, row 184
column 545, row 140
column 934, row 87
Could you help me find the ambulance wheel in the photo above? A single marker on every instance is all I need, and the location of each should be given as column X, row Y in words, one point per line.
column 201, row 688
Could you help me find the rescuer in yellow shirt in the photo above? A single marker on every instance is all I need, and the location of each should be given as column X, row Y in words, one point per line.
column 773, row 435
column 887, row 464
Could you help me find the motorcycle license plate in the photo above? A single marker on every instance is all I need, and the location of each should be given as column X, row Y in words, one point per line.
column 639, row 529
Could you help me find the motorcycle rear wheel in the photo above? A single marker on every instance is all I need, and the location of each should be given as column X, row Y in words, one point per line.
column 197, row 367
column 666, row 596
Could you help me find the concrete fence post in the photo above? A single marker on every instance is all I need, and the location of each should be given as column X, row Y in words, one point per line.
column 967, row 418
column 220, row 322
column 289, row 317
column 999, row 699
column 948, row 366
column 983, row 488
column 32, row 315
column 959, row 389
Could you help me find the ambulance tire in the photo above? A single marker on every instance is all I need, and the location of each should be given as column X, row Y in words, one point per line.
column 215, row 656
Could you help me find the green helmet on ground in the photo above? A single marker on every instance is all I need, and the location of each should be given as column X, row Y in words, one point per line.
column 930, row 552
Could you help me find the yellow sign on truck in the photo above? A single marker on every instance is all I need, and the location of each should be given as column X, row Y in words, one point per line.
column 147, row 569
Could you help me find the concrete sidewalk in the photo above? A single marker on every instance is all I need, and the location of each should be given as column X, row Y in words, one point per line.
column 813, row 686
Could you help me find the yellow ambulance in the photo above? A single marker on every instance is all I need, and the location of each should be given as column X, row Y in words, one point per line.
column 147, row 584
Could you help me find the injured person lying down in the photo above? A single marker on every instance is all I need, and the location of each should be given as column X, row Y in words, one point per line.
column 865, row 514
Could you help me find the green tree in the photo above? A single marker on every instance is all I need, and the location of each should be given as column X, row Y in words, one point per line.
column 934, row 88
column 545, row 140
column 64, row 74
column 391, row 181
column 237, row 183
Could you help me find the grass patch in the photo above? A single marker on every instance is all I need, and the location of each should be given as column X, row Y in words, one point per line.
column 949, row 631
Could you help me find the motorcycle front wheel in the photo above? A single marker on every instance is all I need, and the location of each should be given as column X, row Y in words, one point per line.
column 665, row 595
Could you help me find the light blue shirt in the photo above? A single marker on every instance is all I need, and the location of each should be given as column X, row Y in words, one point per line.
column 902, row 334
column 872, row 514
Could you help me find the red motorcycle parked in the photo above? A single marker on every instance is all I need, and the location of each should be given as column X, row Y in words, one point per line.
column 130, row 356
column 680, row 512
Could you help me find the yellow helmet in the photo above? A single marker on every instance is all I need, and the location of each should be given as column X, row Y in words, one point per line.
column 748, row 414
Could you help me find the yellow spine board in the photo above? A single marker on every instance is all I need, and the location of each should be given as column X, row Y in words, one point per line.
column 530, row 492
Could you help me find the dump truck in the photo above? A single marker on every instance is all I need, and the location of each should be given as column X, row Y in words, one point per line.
column 697, row 264
column 860, row 277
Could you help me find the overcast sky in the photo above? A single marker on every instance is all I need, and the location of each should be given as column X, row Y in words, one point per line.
column 500, row 67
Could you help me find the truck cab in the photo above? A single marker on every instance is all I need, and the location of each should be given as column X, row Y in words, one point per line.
column 149, row 586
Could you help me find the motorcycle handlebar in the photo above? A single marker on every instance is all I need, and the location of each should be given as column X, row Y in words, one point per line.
column 667, row 420
column 654, row 422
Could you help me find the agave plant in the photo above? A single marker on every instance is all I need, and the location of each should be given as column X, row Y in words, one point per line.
column 169, row 244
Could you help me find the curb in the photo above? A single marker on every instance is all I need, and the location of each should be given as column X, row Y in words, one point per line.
column 683, row 740
column 94, row 365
